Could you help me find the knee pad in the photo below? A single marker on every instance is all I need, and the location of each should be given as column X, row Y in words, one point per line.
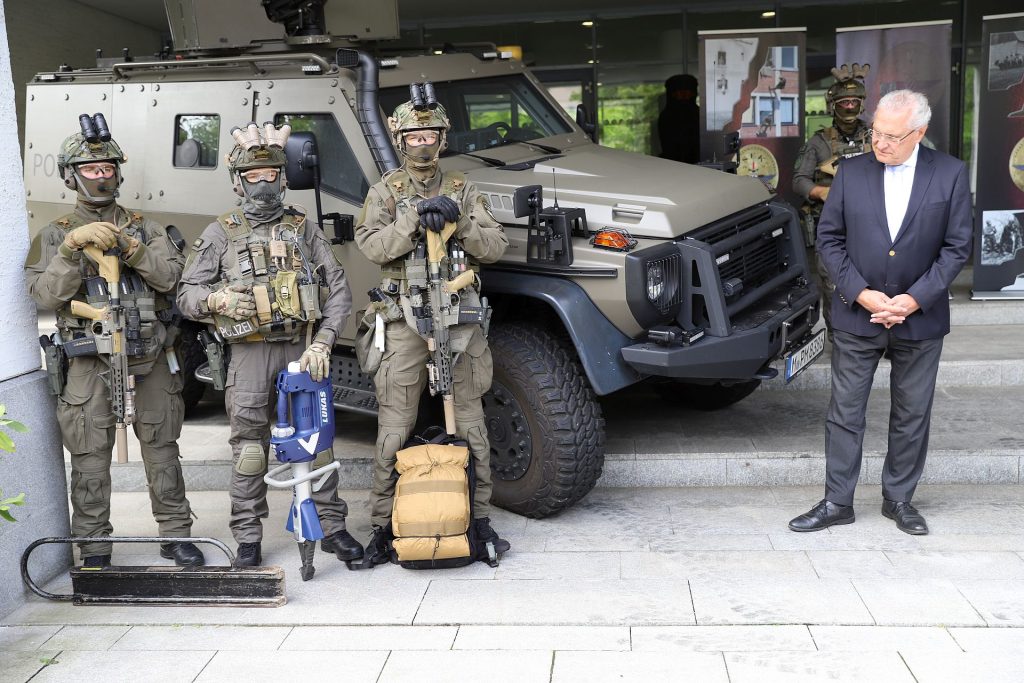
column 252, row 461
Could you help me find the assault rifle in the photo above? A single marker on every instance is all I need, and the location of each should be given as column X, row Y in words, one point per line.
column 109, row 333
column 436, row 307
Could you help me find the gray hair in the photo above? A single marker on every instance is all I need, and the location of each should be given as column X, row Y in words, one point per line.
column 907, row 100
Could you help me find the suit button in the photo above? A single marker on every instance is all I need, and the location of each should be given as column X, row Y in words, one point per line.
column 892, row 253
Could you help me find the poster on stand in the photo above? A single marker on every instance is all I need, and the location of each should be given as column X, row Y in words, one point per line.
column 904, row 56
column 753, row 84
column 999, row 194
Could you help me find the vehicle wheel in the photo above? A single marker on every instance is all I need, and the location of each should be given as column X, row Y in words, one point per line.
column 192, row 356
column 543, row 422
column 706, row 396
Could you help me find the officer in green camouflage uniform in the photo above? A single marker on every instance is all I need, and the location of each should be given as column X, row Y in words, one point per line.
column 59, row 273
column 264, row 277
column 397, row 212
column 816, row 165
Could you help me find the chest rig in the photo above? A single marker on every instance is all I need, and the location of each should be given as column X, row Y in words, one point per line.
column 841, row 147
column 398, row 274
column 274, row 260
column 147, row 312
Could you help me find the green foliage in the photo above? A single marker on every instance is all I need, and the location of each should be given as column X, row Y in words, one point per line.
column 627, row 113
column 7, row 444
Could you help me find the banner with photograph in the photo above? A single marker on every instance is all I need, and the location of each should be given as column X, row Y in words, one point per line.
column 753, row 84
column 999, row 195
column 904, row 56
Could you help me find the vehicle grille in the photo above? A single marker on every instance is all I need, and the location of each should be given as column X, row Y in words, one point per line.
column 754, row 261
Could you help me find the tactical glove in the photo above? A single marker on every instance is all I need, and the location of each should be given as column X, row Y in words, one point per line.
column 317, row 360
column 445, row 206
column 101, row 234
column 129, row 245
column 432, row 220
column 233, row 301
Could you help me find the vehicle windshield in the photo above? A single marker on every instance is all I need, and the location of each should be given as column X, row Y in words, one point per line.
column 489, row 112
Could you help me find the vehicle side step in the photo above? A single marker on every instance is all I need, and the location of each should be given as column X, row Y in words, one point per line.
column 353, row 389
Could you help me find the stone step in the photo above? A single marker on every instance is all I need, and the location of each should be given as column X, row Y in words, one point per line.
column 770, row 438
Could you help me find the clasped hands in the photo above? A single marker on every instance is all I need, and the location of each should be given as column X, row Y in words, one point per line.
column 102, row 235
column 887, row 311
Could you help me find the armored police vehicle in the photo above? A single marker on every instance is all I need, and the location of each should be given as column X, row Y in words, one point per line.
column 622, row 268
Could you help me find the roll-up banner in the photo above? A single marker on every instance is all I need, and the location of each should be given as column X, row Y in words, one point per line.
column 753, row 83
column 999, row 194
column 904, row 56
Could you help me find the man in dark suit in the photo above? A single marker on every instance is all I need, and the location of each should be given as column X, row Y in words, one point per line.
column 894, row 232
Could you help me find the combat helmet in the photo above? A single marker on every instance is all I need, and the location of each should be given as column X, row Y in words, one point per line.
column 93, row 144
column 257, row 147
column 849, row 83
column 421, row 112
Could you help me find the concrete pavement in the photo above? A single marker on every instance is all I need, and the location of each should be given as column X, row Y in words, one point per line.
column 656, row 584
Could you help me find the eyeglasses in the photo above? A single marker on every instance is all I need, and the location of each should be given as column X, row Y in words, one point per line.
column 421, row 137
column 885, row 137
column 93, row 171
column 255, row 175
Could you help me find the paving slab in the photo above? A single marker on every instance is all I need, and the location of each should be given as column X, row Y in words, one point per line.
column 585, row 667
column 813, row 667
column 22, row 665
column 274, row 667
column 1005, row 667
column 986, row 639
column 561, row 638
column 562, row 565
column 370, row 638
column 522, row 666
column 1000, row 603
column 139, row 667
column 788, row 601
column 916, row 602
column 90, row 637
column 25, row 637
column 558, row 601
column 710, row 564
column 868, row 639
column 197, row 636
column 720, row 638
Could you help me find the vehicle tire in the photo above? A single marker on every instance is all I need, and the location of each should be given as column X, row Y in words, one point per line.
column 543, row 420
column 706, row 397
column 192, row 356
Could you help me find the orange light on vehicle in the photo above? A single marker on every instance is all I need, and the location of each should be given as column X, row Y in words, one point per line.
column 616, row 240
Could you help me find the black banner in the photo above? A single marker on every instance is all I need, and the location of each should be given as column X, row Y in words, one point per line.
column 999, row 196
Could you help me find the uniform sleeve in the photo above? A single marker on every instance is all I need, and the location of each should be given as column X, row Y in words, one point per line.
column 809, row 159
column 54, row 278
column 156, row 260
column 338, row 306
column 479, row 232
column 201, row 274
column 380, row 235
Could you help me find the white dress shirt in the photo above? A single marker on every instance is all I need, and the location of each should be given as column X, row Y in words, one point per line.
column 898, row 181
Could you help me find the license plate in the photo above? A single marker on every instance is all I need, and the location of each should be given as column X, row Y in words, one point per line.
column 802, row 356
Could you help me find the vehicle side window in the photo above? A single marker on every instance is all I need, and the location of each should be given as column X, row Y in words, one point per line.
column 196, row 140
column 340, row 174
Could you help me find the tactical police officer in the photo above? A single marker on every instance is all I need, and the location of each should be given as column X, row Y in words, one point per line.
column 397, row 212
column 256, row 275
column 59, row 274
column 816, row 165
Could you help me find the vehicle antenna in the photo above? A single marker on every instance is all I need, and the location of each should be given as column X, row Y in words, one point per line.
column 554, row 186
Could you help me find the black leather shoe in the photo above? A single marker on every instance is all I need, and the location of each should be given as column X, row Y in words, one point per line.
column 343, row 545
column 908, row 519
column 822, row 516
column 183, row 554
column 96, row 561
column 248, row 555
column 377, row 551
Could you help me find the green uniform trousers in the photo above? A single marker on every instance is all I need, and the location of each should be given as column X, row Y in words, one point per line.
column 399, row 382
column 251, row 402
column 87, row 427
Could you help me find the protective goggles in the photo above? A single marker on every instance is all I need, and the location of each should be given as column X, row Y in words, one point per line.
column 93, row 171
column 255, row 175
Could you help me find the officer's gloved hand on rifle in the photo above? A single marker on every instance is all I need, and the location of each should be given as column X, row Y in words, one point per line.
column 437, row 211
column 101, row 234
column 129, row 245
column 233, row 301
column 316, row 359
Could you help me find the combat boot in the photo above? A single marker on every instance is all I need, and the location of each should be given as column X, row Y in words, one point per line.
column 248, row 555
column 96, row 561
column 377, row 551
column 485, row 534
column 343, row 545
column 183, row 554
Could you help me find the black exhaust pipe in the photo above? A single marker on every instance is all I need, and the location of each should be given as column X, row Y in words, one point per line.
column 368, row 114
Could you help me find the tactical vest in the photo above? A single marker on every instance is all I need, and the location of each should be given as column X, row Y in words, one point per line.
column 840, row 148
column 396, row 274
column 147, row 313
column 275, row 262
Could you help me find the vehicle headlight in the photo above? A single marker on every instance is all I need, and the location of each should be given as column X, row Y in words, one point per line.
column 655, row 282
column 663, row 282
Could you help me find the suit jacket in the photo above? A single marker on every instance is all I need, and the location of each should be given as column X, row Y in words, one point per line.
column 932, row 245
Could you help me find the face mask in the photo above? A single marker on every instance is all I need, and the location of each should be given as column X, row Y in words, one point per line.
column 422, row 157
column 100, row 191
column 263, row 195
